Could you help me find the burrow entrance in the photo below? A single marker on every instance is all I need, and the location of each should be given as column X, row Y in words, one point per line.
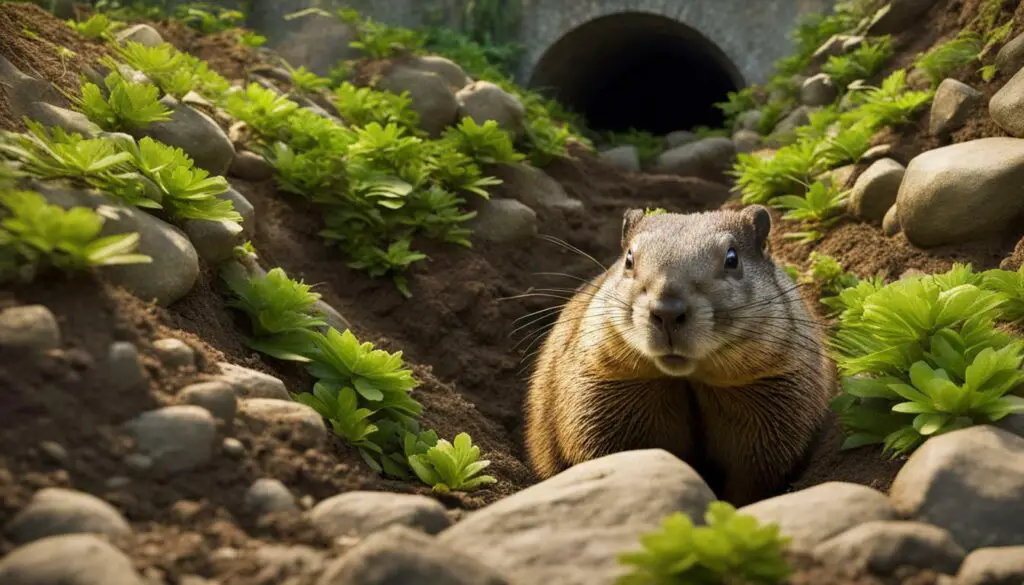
column 638, row 70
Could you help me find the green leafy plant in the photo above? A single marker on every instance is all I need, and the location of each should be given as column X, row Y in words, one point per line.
column 36, row 236
column 380, row 41
column 209, row 19
column 452, row 466
column 737, row 102
column 821, row 204
column 97, row 26
column 251, row 39
column 948, row 57
column 281, row 311
column 730, row 548
column 829, row 274
column 485, row 143
column 363, row 105
column 861, row 63
column 307, row 81
column 771, row 114
column 1011, row 286
column 128, row 105
column 922, row 356
column 890, row 104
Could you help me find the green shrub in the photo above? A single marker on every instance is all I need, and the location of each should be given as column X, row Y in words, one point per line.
column 97, row 26
column 128, row 106
column 922, row 356
column 861, row 63
column 36, row 236
column 737, row 102
column 947, row 58
column 207, row 18
column 362, row 391
column 731, row 548
column 648, row 146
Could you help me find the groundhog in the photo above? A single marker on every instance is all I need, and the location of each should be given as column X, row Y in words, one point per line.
column 693, row 341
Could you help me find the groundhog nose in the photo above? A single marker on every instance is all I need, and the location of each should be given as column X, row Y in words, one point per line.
column 668, row 314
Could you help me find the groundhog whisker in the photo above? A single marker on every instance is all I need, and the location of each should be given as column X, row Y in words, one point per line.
column 571, row 248
column 547, row 316
column 790, row 339
column 768, row 300
column 770, row 318
column 592, row 294
column 550, row 293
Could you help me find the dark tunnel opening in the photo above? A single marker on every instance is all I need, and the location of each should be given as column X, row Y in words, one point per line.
column 638, row 71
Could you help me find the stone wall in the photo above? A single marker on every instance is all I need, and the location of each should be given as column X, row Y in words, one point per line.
column 751, row 33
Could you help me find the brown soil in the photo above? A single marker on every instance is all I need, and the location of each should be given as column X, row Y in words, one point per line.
column 37, row 53
column 456, row 333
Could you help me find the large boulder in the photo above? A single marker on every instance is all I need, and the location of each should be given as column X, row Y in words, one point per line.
column 195, row 133
column 1010, row 58
column 962, row 192
column 56, row 511
column 625, row 157
column 570, row 529
column 535, row 188
column 503, row 221
column 175, row 266
column 708, row 159
column 431, row 97
column 970, row 482
column 1007, row 106
column 483, row 101
column 362, row 513
column 953, row 105
column 447, row 69
column 315, row 41
column 818, row 90
column 69, row 559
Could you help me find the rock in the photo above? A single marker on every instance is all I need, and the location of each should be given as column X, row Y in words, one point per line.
column 316, row 41
column 625, row 157
column 218, row 397
column 1007, row 106
column 138, row 462
column 54, row 116
column 818, row 90
column 749, row 120
column 816, row 514
column 214, row 241
column 881, row 547
column 535, row 188
column 123, row 371
column 503, row 221
column 798, row 117
column 589, row 513
column 681, row 137
column 993, row 566
column 1010, row 58
column 280, row 560
column 233, row 448
column 746, row 141
column 306, row 425
column 117, row 482
column 175, row 354
column 430, row 95
column 177, row 438
column 24, row 90
column 249, row 383
column 708, row 158
column 195, row 133
column 1013, row 423
column 448, row 70
column 55, row 451
column 952, row 106
column 273, row 73
column 175, row 265
column 142, row 34
column 244, row 208
column 835, row 46
column 875, row 190
column 891, row 222
column 841, row 177
column 899, row 16
column 962, row 192
column 362, row 513
column 55, row 511
column 483, row 100
column 402, row 556
column 71, row 559
column 268, row 496
column 876, row 153
column 251, row 167
column 970, row 482
column 31, row 327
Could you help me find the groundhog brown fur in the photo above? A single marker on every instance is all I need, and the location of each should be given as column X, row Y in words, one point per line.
column 693, row 341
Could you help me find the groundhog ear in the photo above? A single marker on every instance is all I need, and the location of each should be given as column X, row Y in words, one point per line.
column 629, row 221
column 759, row 217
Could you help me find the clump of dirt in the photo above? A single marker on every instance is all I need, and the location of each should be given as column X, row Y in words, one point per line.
column 34, row 41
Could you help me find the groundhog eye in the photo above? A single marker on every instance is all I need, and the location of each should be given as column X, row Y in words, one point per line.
column 629, row 259
column 732, row 260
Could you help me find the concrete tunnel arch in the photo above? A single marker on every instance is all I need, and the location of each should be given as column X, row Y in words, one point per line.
column 638, row 70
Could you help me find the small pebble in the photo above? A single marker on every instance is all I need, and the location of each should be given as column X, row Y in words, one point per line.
column 117, row 482
column 56, row 511
column 123, row 369
column 54, row 451
column 31, row 327
column 174, row 353
column 178, row 438
column 268, row 495
column 233, row 448
column 217, row 397
column 138, row 462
